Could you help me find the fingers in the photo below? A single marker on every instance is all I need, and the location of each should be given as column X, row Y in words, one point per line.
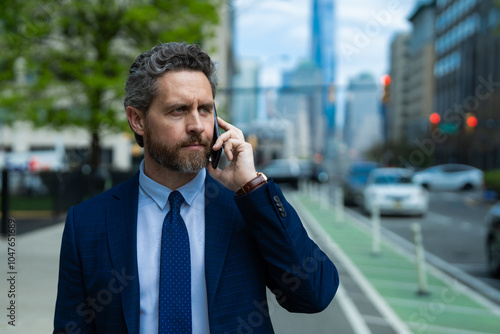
column 232, row 132
column 228, row 148
column 233, row 147
column 225, row 125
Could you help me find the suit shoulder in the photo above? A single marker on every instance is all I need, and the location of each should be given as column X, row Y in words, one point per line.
column 125, row 188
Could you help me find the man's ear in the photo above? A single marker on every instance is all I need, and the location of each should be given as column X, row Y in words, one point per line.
column 136, row 120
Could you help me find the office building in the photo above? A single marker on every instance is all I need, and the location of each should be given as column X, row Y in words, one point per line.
column 420, row 73
column 363, row 126
column 323, row 52
column 397, row 105
column 467, row 49
column 245, row 92
column 300, row 102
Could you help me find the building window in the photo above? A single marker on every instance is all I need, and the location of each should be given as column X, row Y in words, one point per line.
column 447, row 65
column 458, row 34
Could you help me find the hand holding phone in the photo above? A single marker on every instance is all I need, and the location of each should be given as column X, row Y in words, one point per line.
column 239, row 153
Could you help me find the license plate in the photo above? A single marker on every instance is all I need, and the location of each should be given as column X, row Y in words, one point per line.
column 397, row 205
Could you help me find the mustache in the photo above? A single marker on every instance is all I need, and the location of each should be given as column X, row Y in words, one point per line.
column 194, row 139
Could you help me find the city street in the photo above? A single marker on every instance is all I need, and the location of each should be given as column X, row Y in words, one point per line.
column 453, row 230
column 376, row 295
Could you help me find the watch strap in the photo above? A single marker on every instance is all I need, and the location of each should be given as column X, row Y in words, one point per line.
column 253, row 184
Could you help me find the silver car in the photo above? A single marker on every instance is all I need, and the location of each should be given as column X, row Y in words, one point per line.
column 450, row 177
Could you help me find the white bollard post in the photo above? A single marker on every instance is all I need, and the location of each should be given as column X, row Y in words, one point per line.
column 303, row 186
column 339, row 204
column 318, row 191
column 325, row 196
column 376, row 230
column 419, row 260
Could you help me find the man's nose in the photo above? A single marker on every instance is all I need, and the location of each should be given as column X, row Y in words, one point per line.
column 194, row 124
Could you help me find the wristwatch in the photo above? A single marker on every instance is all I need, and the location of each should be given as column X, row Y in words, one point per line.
column 253, row 184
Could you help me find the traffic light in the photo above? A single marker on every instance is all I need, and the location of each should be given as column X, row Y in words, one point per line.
column 470, row 123
column 434, row 118
column 386, row 82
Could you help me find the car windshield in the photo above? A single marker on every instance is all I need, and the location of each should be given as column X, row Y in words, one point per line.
column 360, row 173
column 392, row 179
column 455, row 168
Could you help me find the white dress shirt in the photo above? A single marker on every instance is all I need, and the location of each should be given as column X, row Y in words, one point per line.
column 153, row 207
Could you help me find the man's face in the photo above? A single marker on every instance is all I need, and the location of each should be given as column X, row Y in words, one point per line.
column 178, row 127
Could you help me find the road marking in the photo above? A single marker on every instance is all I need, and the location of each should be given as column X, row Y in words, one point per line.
column 331, row 248
column 439, row 218
column 471, row 228
column 446, row 330
column 470, row 311
column 478, row 267
column 374, row 320
column 447, row 221
column 466, row 226
column 352, row 313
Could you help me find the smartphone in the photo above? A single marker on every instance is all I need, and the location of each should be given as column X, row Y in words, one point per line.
column 215, row 156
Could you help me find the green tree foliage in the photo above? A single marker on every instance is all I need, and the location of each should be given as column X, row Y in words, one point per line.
column 64, row 62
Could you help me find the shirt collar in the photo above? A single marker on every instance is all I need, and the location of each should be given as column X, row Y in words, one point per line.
column 159, row 193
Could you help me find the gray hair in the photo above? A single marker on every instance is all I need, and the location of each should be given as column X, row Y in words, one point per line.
column 142, row 84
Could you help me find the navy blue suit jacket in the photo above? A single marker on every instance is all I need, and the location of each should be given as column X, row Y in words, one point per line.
column 251, row 242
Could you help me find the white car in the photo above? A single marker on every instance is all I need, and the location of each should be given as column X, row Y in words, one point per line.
column 283, row 171
column 393, row 191
column 450, row 177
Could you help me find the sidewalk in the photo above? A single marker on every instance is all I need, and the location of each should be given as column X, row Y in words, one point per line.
column 390, row 279
column 36, row 268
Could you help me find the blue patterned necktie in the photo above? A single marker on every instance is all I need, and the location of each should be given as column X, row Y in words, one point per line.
column 175, row 272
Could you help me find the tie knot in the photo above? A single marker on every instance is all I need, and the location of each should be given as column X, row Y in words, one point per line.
column 175, row 199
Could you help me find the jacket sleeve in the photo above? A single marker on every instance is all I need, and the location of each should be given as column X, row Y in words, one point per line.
column 300, row 274
column 71, row 313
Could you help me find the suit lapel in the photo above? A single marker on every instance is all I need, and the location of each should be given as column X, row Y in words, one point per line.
column 218, row 230
column 121, row 224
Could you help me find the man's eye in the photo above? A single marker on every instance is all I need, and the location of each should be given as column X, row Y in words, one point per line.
column 206, row 110
column 178, row 110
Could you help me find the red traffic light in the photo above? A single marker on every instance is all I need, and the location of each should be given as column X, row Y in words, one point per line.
column 472, row 121
column 386, row 80
column 434, row 118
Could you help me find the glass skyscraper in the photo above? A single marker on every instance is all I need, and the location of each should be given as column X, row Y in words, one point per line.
column 323, row 52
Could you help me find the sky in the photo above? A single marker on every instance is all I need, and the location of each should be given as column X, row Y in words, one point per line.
column 277, row 32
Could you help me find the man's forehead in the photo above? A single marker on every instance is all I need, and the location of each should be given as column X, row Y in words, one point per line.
column 184, row 82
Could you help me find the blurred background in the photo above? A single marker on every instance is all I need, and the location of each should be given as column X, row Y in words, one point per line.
column 403, row 83
column 324, row 90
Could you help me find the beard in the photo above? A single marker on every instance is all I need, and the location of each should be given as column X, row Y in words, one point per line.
column 176, row 159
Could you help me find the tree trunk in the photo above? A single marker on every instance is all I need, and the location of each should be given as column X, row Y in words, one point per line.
column 95, row 151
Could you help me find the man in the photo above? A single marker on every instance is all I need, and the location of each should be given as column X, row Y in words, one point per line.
column 182, row 247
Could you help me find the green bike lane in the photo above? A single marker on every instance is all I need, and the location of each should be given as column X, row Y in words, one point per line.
column 391, row 276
